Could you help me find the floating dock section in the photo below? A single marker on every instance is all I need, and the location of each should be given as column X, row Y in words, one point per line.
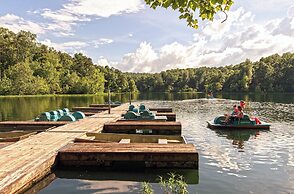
column 150, row 155
column 152, row 127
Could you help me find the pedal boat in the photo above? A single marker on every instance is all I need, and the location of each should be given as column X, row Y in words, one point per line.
column 244, row 123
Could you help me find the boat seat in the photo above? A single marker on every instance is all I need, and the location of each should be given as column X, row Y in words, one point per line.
column 125, row 141
column 245, row 120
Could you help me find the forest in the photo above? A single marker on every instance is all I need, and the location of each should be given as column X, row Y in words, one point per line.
column 28, row 67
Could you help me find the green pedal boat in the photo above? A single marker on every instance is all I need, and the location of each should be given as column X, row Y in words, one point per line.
column 244, row 123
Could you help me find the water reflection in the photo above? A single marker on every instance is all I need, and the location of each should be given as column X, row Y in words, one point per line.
column 28, row 107
column 238, row 136
column 265, row 157
column 93, row 181
column 265, row 165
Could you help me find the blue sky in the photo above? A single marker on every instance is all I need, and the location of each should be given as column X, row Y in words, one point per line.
column 130, row 36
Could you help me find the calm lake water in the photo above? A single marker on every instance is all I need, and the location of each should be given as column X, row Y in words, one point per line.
column 243, row 161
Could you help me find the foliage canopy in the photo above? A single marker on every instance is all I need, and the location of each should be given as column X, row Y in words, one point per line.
column 206, row 8
column 28, row 67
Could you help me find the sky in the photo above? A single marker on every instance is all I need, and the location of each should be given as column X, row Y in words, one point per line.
column 130, row 36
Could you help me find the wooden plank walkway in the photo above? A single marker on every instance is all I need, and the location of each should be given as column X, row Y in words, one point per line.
column 27, row 161
column 149, row 154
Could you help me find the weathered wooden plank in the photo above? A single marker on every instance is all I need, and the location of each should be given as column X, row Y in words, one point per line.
column 104, row 105
column 125, row 141
column 156, row 119
column 87, row 114
column 171, row 116
column 41, row 184
column 152, row 155
column 90, row 109
column 172, row 128
column 135, row 138
column 4, row 144
column 161, row 109
column 162, row 141
column 29, row 125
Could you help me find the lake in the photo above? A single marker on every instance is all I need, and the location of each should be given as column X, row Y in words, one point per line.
column 243, row 161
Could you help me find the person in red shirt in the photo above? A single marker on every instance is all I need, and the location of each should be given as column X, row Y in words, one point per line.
column 239, row 114
column 242, row 104
column 234, row 113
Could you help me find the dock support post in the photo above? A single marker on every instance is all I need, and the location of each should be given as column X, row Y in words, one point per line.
column 109, row 106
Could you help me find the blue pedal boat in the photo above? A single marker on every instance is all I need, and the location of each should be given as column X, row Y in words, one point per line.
column 244, row 123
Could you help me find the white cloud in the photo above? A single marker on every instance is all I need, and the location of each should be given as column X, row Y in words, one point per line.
column 70, row 47
column 63, row 20
column 61, row 28
column 103, row 61
column 62, row 15
column 216, row 45
column 16, row 24
column 76, row 46
column 102, row 8
column 290, row 11
column 142, row 57
column 101, row 41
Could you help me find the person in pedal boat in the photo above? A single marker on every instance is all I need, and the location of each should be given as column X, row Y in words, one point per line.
column 236, row 114
column 242, row 104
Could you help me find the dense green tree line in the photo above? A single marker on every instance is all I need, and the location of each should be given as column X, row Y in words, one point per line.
column 269, row 74
column 28, row 67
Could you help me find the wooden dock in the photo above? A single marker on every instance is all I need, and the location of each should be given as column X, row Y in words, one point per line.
column 149, row 155
column 90, row 109
column 171, row 116
column 27, row 161
column 104, row 105
column 159, row 128
column 164, row 109
column 29, row 125
column 133, row 138
column 15, row 135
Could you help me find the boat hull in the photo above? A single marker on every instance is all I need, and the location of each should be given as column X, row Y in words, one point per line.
column 212, row 125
